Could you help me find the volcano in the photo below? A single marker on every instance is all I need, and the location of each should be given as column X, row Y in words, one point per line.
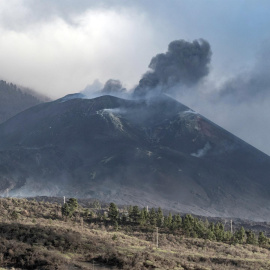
column 149, row 152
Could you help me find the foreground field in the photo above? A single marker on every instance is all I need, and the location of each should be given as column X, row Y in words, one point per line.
column 34, row 235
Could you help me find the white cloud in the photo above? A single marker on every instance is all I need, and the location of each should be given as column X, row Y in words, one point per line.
column 56, row 57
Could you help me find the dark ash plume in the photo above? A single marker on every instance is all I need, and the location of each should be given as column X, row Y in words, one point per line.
column 184, row 63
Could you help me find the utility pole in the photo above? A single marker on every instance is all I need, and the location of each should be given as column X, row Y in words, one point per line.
column 157, row 237
column 64, row 199
column 231, row 227
column 147, row 208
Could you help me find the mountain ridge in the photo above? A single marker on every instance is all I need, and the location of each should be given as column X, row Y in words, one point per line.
column 15, row 99
column 142, row 151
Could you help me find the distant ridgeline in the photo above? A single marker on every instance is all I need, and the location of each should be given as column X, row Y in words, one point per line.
column 14, row 99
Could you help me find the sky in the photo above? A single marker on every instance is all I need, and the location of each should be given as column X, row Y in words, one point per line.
column 60, row 47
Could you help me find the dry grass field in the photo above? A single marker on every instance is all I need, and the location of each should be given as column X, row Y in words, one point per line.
column 34, row 235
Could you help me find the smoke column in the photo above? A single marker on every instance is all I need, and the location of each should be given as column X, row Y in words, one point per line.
column 185, row 63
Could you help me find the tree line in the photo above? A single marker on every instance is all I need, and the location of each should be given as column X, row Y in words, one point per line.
column 186, row 225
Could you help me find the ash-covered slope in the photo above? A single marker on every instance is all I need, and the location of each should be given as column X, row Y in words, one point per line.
column 154, row 152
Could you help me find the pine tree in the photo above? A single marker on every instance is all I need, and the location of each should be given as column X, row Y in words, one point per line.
column 210, row 235
column 124, row 218
column 130, row 209
column 113, row 212
column 206, row 224
column 188, row 223
column 168, row 221
column 153, row 217
column 73, row 204
column 239, row 236
column 219, row 231
column 160, row 217
column 69, row 207
column 66, row 210
column 178, row 221
column 143, row 216
column 227, row 237
column 135, row 214
column 262, row 239
column 251, row 238
column 200, row 229
column 212, row 227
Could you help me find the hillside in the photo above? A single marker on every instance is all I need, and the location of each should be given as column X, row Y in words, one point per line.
column 35, row 235
column 154, row 152
column 14, row 99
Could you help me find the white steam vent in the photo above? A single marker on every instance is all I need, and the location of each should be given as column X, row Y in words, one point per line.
column 202, row 152
column 112, row 113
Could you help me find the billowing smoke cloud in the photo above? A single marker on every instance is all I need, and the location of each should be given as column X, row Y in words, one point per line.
column 113, row 87
column 185, row 63
column 93, row 88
